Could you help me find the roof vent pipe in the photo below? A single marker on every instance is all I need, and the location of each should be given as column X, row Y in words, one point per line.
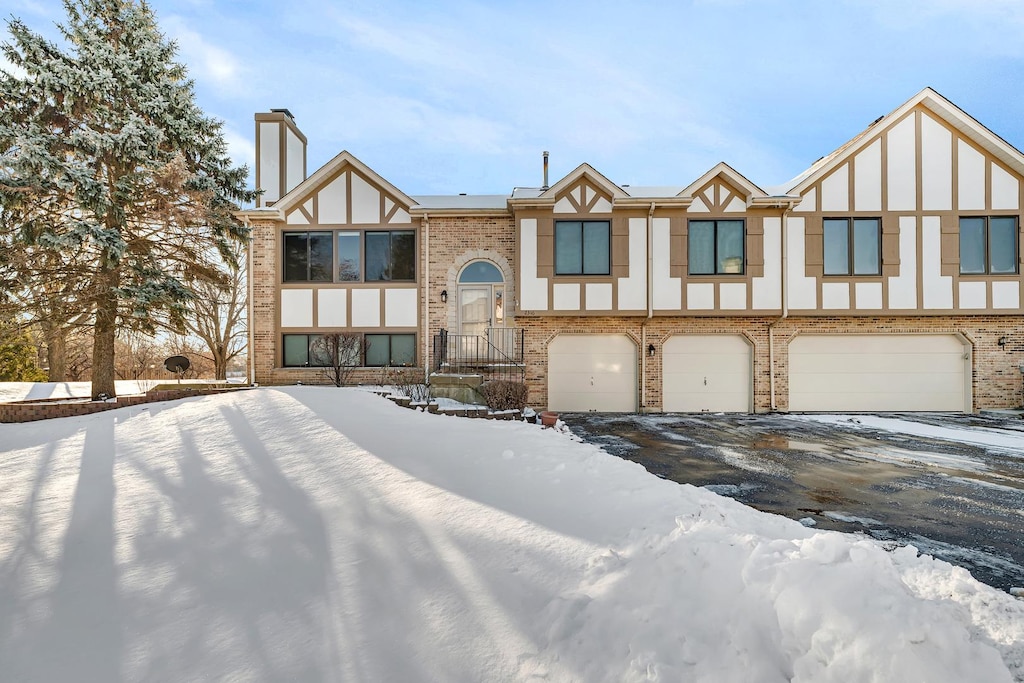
column 545, row 171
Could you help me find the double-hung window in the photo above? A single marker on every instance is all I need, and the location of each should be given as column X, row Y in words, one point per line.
column 582, row 248
column 350, row 256
column 715, row 247
column 988, row 245
column 853, row 246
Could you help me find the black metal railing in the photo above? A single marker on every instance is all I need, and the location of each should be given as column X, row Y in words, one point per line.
column 496, row 354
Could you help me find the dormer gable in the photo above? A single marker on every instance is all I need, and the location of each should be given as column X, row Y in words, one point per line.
column 721, row 190
column 583, row 191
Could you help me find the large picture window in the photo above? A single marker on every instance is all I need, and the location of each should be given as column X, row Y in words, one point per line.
column 988, row 245
column 852, row 246
column 582, row 248
column 350, row 256
column 715, row 247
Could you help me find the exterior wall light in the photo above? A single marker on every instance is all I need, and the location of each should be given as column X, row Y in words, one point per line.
column 444, row 296
column 1002, row 341
column 650, row 350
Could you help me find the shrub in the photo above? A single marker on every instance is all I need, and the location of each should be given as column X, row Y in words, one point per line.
column 502, row 394
column 406, row 381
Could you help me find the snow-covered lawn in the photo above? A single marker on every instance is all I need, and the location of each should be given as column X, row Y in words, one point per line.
column 309, row 533
column 20, row 391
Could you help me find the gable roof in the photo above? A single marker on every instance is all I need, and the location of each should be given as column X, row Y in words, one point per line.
column 345, row 158
column 731, row 175
column 587, row 171
column 936, row 104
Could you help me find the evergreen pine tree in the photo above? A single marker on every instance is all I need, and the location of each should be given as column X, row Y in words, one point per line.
column 108, row 129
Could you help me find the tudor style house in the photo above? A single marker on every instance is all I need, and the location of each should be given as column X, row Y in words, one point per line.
column 887, row 277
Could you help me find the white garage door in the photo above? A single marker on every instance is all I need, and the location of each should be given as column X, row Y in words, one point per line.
column 706, row 373
column 592, row 372
column 878, row 372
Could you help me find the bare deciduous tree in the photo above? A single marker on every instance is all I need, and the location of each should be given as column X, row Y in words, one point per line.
column 339, row 353
column 216, row 313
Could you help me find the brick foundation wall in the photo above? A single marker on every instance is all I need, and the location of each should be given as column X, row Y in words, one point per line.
column 997, row 381
column 45, row 409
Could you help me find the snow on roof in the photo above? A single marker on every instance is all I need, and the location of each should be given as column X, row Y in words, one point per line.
column 461, row 201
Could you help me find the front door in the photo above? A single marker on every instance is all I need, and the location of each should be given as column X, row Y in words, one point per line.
column 481, row 307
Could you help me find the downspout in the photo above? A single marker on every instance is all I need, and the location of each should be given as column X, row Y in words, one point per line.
column 426, row 299
column 650, row 310
column 250, row 359
column 785, row 310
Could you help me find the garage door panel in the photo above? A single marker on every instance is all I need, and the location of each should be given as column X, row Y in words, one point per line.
column 860, row 363
column 706, row 373
column 877, row 373
column 592, row 372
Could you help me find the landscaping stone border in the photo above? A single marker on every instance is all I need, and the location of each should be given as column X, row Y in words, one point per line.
column 31, row 410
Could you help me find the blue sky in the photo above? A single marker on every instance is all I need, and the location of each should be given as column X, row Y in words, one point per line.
column 453, row 96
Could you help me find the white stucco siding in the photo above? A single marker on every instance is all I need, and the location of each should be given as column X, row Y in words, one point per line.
column 869, row 295
column 563, row 205
column 270, row 161
column 767, row 290
column 400, row 307
column 296, row 308
column 333, row 201
column 1005, row 189
column 732, row 296
column 633, row 289
column 903, row 288
column 599, row 296
column 973, row 295
column 534, row 290
column 835, row 190
column 295, row 172
column 700, row 296
column 566, row 296
column 809, row 201
column 365, row 201
column 970, row 178
column 667, row 290
column 1006, row 294
column 803, row 291
column 867, row 178
column 902, row 166
column 835, row 295
column 332, row 308
column 938, row 288
column 365, row 308
column 936, row 166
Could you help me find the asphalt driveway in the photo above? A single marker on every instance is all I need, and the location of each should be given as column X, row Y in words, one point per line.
column 951, row 485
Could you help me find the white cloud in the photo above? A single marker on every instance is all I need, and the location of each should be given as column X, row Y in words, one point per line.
column 240, row 148
column 207, row 62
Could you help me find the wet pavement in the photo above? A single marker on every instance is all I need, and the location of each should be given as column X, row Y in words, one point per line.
column 957, row 501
